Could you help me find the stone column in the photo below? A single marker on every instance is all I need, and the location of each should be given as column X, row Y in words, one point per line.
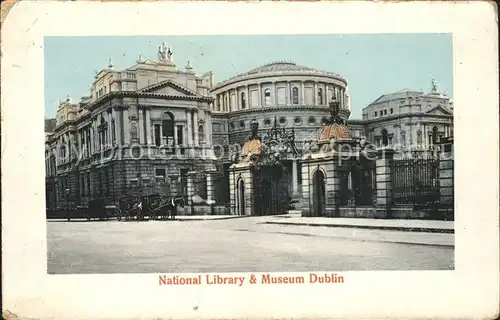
column 141, row 125
column 92, row 141
column 195, row 127
column 315, row 94
column 149, row 138
column 211, row 190
column 247, row 98
column 126, row 126
column 190, row 190
column 295, row 183
column 327, row 95
column 288, row 95
column 332, row 188
column 302, row 95
column 118, row 126
column 446, row 177
column 175, row 139
column 189, row 131
column 260, row 95
column 384, row 184
column 275, row 96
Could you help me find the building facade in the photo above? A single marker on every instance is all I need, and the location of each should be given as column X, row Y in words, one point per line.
column 146, row 128
column 140, row 130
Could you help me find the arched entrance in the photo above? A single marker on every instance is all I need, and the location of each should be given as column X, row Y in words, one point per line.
column 241, row 197
column 318, row 193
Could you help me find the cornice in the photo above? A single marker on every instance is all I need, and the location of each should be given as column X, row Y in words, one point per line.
column 264, row 75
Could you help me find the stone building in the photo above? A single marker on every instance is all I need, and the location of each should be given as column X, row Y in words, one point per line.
column 152, row 127
column 295, row 96
column 407, row 120
column 140, row 130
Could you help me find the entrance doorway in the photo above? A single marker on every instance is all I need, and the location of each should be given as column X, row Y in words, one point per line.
column 318, row 193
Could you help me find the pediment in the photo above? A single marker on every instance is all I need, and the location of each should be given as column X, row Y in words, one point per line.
column 439, row 111
column 169, row 88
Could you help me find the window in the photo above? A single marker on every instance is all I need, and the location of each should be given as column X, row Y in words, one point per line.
column 180, row 136
column 295, row 95
column 435, row 138
column 312, row 120
column 267, row 97
column 392, row 111
column 113, row 133
column 267, row 122
column 243, row 101
column 242, row 124
column 375, row 113
column 419, row 137
column 385, row 112
column 157, row 135
column 201, row 133
column 160, row 173
column 320, row 96
column 385, row 138
column 403, row 139
column 297, row 120
column 282, row 120
column 82, row 184
column 88, row 183
column 168, row 129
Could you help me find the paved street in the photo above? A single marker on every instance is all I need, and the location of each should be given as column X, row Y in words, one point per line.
column 234, row 245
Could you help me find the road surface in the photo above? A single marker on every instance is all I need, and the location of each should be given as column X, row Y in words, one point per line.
column 237, row 245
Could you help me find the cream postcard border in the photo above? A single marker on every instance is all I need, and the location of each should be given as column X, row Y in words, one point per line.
column 471, row 290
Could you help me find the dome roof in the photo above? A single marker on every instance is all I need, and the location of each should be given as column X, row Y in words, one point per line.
column 334, row 131
column 279, row 66
column 253, row 146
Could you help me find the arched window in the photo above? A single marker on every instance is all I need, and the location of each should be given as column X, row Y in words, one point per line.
column 320, row 96
column 243, row 101
column 295, row 95
column 168, row 129
column 201, row 133
column 385, row 138
column 435, row 135
column 267, row 97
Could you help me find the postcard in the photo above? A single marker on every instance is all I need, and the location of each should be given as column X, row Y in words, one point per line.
column 250, row 160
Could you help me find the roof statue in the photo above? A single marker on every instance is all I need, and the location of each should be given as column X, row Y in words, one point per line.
column 110, row 63
column 165, row 52
column 434, row 85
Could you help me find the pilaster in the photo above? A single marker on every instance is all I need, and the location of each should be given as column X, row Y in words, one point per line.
column 383, row 181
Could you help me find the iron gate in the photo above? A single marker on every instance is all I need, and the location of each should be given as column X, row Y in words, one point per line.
column 415, row 181
column 270, row 191
column 357, row 183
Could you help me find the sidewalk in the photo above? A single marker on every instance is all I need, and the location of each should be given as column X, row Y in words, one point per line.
column 363, row 223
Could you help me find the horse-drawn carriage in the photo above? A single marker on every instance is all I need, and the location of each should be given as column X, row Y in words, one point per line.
column 152, row 206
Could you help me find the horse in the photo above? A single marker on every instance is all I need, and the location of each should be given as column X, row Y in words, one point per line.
column 171, row 207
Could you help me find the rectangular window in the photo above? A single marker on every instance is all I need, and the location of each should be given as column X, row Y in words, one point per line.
column 375, row 113
column 160, row 173
column 180, row 137
column 88, row 183
column 385, row 112
column 392, row 111
column 157, row 135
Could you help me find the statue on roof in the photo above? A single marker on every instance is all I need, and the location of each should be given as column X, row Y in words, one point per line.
column 162, row 51
column 434, row 85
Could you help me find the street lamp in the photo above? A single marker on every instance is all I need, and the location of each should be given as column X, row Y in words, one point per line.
column 67, row 202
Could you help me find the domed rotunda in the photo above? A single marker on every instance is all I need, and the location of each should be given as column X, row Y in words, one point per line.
column 297, row 96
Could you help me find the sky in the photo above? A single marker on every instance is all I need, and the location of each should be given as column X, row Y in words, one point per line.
column 373, row 64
